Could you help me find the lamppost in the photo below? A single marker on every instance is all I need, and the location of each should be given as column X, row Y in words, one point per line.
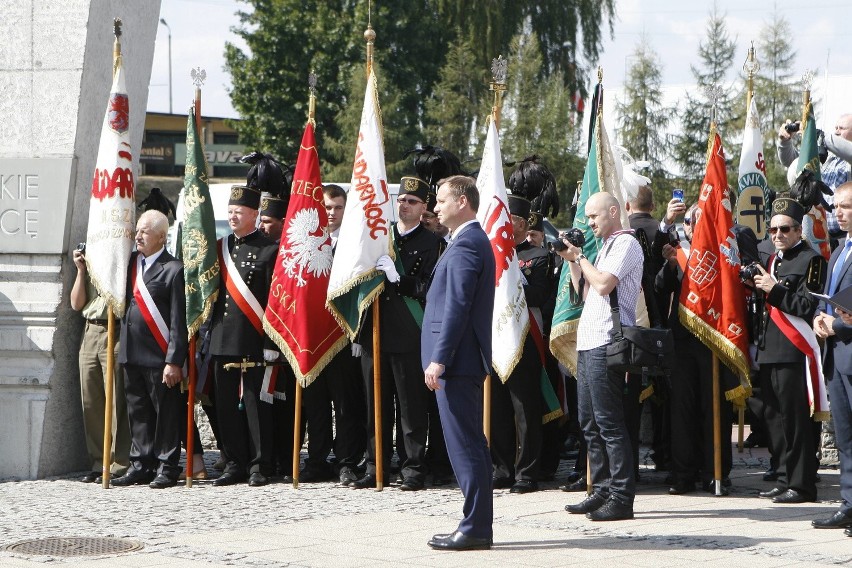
column 163, row 21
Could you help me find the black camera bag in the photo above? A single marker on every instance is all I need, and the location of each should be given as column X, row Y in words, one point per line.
column 641, row 350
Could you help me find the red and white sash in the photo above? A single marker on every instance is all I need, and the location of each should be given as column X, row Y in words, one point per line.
column 802, row 336
column 237, row 288
column 150, row 313
column 267, row 389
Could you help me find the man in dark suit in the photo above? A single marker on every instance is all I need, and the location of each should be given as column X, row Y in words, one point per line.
column 153, row 350
column 793, row 270
column 455, row 353
column 837, row 360
column 247, row 261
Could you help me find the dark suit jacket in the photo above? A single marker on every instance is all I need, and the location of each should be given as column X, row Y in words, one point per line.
column 460, row 305
column 232, row 334
column 164, row 280
column 838, row 347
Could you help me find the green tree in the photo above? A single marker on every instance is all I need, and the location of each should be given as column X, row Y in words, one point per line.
column 775, row 90
column 717, row 54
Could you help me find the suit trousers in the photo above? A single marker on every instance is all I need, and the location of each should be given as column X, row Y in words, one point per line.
column 403, row 371
column 338, row 386
column 600, row 403
column 840, row 394
column 516, row 419
column 460, row 405
column 246, row 432
column 93, row 375
column 691, row 402
column 790, row 426
column 154, row 411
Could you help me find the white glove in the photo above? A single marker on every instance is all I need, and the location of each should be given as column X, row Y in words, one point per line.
column 356, row 350
column 270, row 354
column 385, row 264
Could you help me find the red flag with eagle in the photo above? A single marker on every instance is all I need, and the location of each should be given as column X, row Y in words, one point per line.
column 112, row 208
column 712, row 302
column 296, row 317
column 510, row 322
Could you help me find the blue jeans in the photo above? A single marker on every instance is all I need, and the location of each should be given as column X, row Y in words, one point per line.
column 601, row 414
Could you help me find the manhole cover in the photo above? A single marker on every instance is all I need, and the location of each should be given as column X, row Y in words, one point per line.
column 74, row 546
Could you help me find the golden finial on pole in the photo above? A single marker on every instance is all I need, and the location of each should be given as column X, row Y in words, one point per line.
column 312, row 98
column 116, row 46
column 369, row 36
column 807, row 81
column 499, row 73
column 751, row 67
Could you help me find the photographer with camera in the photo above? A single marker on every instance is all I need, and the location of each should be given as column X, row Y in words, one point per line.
column 786, row 343
column 618, row 268
column 93, row 374
column 835, row 168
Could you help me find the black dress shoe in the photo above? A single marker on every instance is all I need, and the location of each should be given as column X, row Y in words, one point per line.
column 460, row 541
column 162, row 481
column 839, row 520
column 847, row 532
column 524, row 486
column 591, row 503
column 133, row 477
column 793, row 496
column 578, row 485
column 91, row 477
column 682, row 487
column 774, row 492
column 770, row 475
column 612, row 510
column 502, row 482
column 366, row 482
column 228, row 479
column 257, row 479
column 346, row 475
column 411, row 484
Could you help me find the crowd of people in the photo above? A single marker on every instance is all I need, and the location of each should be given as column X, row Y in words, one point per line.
column 435, row 330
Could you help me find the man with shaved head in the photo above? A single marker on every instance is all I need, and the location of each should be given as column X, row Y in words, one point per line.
column 617, row 269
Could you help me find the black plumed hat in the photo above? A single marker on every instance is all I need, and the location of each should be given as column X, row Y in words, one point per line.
column 533, row 181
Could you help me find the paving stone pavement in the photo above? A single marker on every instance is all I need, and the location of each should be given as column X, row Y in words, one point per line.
column 323, row 524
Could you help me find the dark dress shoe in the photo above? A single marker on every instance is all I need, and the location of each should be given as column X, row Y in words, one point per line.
column 346, row 475
column 366, row 482
column 257, row 479
column 524, row 486
column 502, row 482
column 681, row 488
column 793, row 496
column 612, row 510
column 839, row 520
column 578, row 485
column 591, row 503
column 774, row 492
column 770, row 475
column 91, row 477
column 460, row 541
column 162, row 481
column 411, row 484
column 847, row 532
column 228, row 479
column 133, row 477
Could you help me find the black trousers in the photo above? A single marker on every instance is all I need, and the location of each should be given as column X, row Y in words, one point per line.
column 154, row 413
column 402, row 370
column 691, row 388
column 247, row 432
column 283, row 421
column 516, row 410
column 790, row 426
column 339, row 386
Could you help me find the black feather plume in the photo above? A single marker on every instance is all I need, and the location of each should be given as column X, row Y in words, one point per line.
column 158, row 202
column 433, row 163
column 268, row 175
column 532, row 180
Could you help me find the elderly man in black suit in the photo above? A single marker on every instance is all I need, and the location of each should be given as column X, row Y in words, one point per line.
column 456, row 355
column 153, row 350
column 837, row 360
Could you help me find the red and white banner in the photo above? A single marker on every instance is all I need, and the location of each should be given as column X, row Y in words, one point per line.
column 296, row 317
column 112, row 208
column 510, row 322
column 712, row 303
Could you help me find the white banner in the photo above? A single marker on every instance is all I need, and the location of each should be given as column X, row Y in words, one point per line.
column 752, row 187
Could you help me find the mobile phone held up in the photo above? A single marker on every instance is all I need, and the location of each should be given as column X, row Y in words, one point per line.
column 677, row 194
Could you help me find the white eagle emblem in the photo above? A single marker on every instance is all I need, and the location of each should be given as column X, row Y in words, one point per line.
column 308, row 247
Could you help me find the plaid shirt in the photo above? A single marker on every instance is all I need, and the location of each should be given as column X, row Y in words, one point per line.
column 835, row 172
column 621, row 257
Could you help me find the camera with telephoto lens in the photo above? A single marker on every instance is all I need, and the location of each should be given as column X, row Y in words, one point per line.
column 749, row 271
column 574, row 236
column 793, row 127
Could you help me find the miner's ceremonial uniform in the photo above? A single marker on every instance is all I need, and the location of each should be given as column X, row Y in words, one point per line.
column 247, row 264
column 401, row 319
column 782, row 364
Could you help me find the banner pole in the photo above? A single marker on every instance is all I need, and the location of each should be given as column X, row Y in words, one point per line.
column 717, row 431
column 486, row 409
column 297, row 433
column 377, row 397
column 190, row 411
column 108, row 399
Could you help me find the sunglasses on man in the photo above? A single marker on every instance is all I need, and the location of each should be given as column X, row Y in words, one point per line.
column 783, row 228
